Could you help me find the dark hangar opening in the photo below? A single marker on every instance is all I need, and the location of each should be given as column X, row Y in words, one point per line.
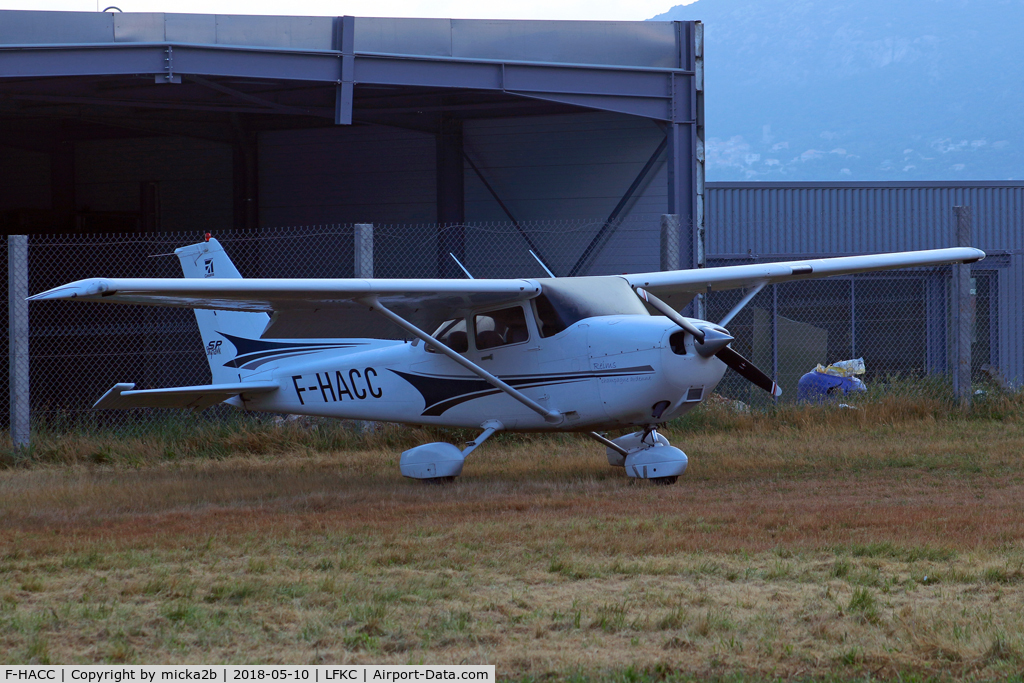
column 156, row 122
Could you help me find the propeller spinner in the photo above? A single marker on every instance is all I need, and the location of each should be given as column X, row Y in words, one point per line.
column 711, row 342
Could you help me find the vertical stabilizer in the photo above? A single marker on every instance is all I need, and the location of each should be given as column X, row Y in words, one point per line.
column 221, row 330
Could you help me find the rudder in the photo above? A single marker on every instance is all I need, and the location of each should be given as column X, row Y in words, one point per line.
column 217, row 328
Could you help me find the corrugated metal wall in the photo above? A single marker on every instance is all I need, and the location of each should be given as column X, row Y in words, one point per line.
column 573, row 167
column 24, row 179
column 783, row 218
column 554, row 168
column 766, row 219
column 345, row 174
column 543, row 168
column 578, row 166
column 194, row 178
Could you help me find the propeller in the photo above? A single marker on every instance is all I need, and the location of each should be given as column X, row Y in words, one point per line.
column 748, row 370
column 710, row 342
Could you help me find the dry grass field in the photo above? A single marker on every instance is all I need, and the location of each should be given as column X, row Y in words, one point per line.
column 803, row 544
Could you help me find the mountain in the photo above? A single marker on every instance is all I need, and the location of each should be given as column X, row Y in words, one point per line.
column 862, row 90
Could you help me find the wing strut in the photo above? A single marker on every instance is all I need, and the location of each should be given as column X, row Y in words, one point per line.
column 670, row 313
column 748, row 296
column 551, row 416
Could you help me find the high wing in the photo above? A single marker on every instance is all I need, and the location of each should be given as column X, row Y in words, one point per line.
column 308, row 308
column 677, row 287
column 316, row 308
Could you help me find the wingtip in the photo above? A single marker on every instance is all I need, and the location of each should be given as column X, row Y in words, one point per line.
column 73, row 290
column 978, row 255
column 110, row 398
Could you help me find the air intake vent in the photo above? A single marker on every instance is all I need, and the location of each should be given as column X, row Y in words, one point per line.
column 695, row 394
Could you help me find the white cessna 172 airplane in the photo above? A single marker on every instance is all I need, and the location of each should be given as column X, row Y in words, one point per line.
column 580, row 354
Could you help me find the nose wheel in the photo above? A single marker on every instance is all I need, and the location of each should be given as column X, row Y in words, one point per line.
column 645, row 455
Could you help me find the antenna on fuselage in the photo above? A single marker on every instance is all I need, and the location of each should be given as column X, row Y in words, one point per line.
column 546, row 269
column 461, row 266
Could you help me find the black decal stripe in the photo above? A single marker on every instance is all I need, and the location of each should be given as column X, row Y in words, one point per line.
column 246, row 346
column 435, row 389
column 243, row 361
column 260, row 363
column 441, row 392
column 439, row 408
column 249, row 350
column 611, row 372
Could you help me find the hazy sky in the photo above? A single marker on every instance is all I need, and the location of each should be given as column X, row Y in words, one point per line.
column 629, row 10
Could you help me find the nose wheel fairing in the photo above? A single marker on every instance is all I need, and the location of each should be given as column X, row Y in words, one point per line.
column 646, row 455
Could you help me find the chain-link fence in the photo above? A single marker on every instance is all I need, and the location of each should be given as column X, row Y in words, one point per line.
column 81, row 349
column 898, row 321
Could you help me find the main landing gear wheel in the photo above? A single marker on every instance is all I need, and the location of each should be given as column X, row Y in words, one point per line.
column 438, row 481
column 439, row 463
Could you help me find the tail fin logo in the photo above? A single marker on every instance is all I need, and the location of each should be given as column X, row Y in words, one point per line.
column 213, row 348
column 208, row 263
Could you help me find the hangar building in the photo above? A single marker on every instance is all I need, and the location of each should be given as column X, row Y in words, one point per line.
column 174, row 125
column 114, row 122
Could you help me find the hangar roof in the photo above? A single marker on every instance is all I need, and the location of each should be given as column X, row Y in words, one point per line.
column 393, row 71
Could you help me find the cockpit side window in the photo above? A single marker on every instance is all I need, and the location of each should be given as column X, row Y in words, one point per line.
column 548, row 321
column 500, row 328
column 452, row 333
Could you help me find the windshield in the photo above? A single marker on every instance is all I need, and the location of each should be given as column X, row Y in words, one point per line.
column 452, row 333
column 569, row 300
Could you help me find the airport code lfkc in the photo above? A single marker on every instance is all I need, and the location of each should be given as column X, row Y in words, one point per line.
column 227, row 674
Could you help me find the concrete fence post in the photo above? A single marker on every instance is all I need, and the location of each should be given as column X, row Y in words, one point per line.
column 963, row 310
column 670, row 241
column 17, row 316
column 363, row 250
column 364, row 269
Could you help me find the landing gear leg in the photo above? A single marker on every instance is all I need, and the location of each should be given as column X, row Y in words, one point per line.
column 440, row 462
column 651, row 437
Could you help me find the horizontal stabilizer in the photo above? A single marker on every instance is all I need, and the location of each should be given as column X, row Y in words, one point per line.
column 123, row 396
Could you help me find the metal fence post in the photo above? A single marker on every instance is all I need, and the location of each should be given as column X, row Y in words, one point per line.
column 775, row 337
column 17, row 316
column 853, row 318
column 670, row 241
column 963, row 313
column 363, row 250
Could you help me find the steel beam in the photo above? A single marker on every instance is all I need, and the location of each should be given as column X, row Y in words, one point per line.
column 150, row 58
column 681, row 142
column 656, row 93
column 183, row 105
column 646, row 107
column 344, row 42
